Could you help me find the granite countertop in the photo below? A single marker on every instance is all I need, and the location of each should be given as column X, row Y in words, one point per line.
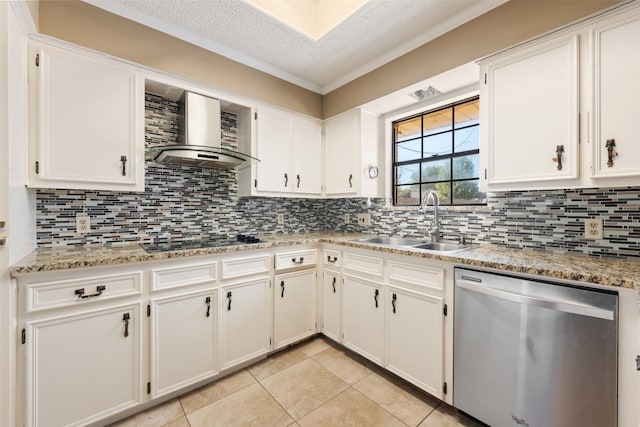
column 583, row 268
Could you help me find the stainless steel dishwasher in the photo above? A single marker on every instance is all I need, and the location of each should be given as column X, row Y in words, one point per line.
column 533, row 353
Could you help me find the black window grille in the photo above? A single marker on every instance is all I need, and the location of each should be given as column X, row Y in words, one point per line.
column 438, row 150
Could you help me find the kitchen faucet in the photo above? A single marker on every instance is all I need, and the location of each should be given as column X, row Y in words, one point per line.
column 434, row 228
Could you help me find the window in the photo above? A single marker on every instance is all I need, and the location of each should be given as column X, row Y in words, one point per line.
column 438, row 150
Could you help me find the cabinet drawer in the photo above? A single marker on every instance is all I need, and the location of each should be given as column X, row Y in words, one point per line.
column 296, row 258
column 363, row 263
column 245, row 266
column 416, row 276
column 63, row 293
column 332, row 258
column 182, row 276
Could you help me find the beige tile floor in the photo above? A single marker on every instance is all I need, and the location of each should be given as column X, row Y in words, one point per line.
column 312, row 384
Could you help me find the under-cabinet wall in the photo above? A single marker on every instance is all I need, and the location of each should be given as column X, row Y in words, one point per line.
column 181, row 202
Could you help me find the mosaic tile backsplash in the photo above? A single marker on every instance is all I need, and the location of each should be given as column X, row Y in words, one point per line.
column 185, row 203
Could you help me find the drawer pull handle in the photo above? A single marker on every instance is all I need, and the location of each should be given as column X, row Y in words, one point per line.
column 123, row 160
column 99, row 289
column 393, row 302
column 208, row 302
column 282, row 286
column 298, row 178
column 286, row 179
column 293, row 260
column 125, row 319
column 332, row 260
column 350, row 179
column 375, row 296
column 333, row 283
column 229, row 298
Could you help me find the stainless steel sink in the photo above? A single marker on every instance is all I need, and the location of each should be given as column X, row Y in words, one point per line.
column 391, row 241
column 441, row 247
column 406, row 243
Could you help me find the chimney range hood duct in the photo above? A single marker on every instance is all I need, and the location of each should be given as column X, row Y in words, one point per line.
column 200, row 141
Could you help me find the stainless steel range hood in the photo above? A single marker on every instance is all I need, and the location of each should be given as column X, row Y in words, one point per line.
column 200, row 141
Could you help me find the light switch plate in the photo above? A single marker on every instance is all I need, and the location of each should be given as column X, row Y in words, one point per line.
column 593, row 228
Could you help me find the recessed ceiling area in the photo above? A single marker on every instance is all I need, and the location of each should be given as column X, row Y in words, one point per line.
column 316, row 44
column 313, row 18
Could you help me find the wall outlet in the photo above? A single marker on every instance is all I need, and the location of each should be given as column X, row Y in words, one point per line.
column 280, row 218
column 83, row 224
column 347, row 218
column 364, row 219
column 593, row 229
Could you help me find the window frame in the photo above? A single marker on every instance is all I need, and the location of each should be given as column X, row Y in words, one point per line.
column 422, row 183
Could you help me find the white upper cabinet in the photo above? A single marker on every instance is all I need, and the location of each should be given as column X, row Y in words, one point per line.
column 86, row 121
column 351, row 158
column 289, row 148
column 616, row 85
column 529, row 114
column 307, row 156
column 560, row 111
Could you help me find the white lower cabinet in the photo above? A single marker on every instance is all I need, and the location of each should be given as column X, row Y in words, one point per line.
column 332, row 305
column 245, row 317
column 96, row 344
column 84, row 367
column 363, row 317
column 415, row 338
column 183, row 341
column 294, row 307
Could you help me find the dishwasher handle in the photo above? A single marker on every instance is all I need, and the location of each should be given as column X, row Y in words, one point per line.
column 550, row 303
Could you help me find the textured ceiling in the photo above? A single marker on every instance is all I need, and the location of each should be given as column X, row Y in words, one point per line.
column 376, row 33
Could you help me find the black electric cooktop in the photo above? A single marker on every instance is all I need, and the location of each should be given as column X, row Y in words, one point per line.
column 213, row 242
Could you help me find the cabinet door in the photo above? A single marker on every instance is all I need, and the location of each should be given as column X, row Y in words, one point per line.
column 415, row 338
column 274, row 151
column 83, row 368
column 363, row 317
column 87, row 122
column 307, row 157
column 245, row 316
column 332, row 305
column 529, row 113
column 183, row 341
column 342, row 139
column 294, row 307
column 616, row 86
